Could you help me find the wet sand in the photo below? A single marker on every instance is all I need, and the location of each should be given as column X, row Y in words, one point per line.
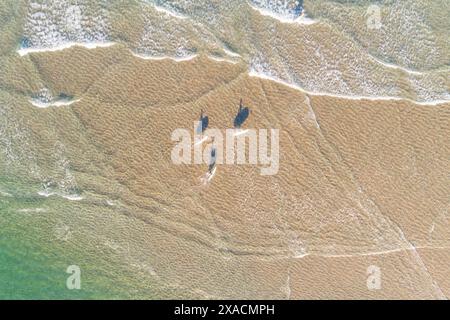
column 362, row 181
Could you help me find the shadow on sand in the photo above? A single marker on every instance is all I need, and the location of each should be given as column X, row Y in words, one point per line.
column 241, row 116
column 203, row 123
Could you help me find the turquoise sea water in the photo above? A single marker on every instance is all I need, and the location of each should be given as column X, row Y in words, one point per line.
column 32, row 266
column 34, row 254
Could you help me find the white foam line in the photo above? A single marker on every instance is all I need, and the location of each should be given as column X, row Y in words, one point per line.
column 394, row 66
column 111, row 203
column 35, row 210
column 145, row 57
column 46, row 193
column 188, row 58
column 222, row 60
column 58, row 103
column 5, row 194
column 168, row 12
column 71, row 197
column 231, row 53
column 253, row 73
column 88, row 45
column 300, row 20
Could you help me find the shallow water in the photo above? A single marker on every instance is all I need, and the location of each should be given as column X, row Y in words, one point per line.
column 91, row 93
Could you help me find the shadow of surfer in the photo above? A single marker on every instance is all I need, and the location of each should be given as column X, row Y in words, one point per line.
column 241, row 116
column 203, row 123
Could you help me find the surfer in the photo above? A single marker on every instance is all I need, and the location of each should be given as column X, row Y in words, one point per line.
column 212, row 161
